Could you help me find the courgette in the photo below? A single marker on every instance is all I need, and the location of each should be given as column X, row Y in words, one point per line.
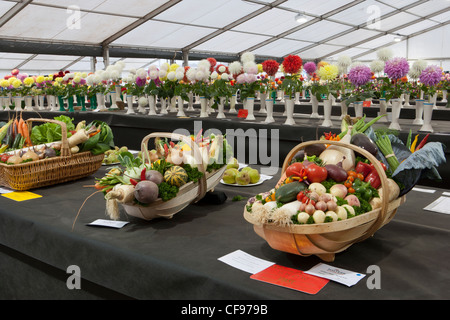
column 288, row 192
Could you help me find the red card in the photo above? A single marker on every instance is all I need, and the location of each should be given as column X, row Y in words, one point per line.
column 291, row 278
column 367, row 103
column 242, row 113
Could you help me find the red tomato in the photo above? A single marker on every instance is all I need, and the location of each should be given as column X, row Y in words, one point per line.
column 294, row 169
column 316, row 173
column 4, row 157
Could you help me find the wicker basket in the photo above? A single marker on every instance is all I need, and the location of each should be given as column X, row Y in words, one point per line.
column 50, row 171
column 326, row 239
column 189, row 193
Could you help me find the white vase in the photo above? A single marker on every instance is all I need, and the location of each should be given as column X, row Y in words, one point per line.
column 383, row 110
column 303, row 96
column 51, row 103
column 163, row 106
column 118, row 91
column 181, row 108
column 152, row 105
column 406, row 100
column 233, row 104
column 358, row 105
column 444, row 96
column 327, row 105
column 427, row 113
column 220, row 114
column 289, row 105
column 197, row 99
column 286, row 97
column 101, row 101
column 434, row 101
column 396, row 106
column 344, row 109
column 112, row 99
column 2, row 99
column 203, row 107
column 282, row 97
column 310, row 97
column 297, row 98
column 419, row 112
column 210, row 104
column 269, row 108
column 250, row 104
column 17, row 103
column 191, row 102
column 315, row 107
column 263, row 97
column 130, row 109
column 29, row 103
column 173, row 104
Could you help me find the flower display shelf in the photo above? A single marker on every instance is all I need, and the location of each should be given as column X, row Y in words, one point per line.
column 326, row 239
column 189, row 193
column 50, row 171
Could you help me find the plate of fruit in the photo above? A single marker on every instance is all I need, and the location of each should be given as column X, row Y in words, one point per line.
column 244, row 177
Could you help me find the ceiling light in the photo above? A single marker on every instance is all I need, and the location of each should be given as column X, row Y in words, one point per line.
column 398, row 38
column 301, row 18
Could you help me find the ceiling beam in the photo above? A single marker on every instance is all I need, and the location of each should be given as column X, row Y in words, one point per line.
column 26, row 61
column 72, row 63
column 139, row 22
column 232, row 25
column 13, row 11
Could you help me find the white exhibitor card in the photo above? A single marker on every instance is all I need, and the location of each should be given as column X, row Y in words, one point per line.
column 245, row 262
column 346, row 277
column 441, row 205
column 108, row 223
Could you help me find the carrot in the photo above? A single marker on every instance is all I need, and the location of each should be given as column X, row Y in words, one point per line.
column 15, row 126
column 19, row 126
column 26, row 134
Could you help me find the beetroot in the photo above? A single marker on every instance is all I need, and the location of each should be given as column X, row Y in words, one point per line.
column 146, row 191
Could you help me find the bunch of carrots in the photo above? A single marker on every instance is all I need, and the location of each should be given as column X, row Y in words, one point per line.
column 20, row 127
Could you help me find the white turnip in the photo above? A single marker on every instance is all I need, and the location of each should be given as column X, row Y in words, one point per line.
column 352, row 200
column 339, row 190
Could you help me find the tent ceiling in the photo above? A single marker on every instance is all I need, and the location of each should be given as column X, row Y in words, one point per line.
column 52, row 34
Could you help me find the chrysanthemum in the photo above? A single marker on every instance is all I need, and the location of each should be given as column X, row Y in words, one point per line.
column 377, row 66
column 250, row 67
column 396, row 68
column 344, row 61
column 247, row 57
column 212, row 62
column 321, row 64
column 419, row 65
column 384, row 54
column 310, row 67
column 431, row 75
column 360, row 75
column 328, row 72
column 270, row 67
column 235, row 68
column 4, row 83
column 292, row 64
column 28, row 81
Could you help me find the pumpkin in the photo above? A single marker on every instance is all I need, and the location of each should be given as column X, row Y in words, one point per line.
column 176, row 176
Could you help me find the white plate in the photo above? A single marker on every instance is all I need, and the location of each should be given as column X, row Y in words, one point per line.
column 239, row 185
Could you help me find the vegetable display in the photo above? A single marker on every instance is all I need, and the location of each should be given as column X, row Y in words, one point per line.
column 334, row 182
column 160, row 173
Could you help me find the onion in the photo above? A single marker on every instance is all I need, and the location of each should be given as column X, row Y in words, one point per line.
column 321, row 205
column 30, row 155
column 339, row 190
column 324, row 197
column 309, row 209
column 331, row 206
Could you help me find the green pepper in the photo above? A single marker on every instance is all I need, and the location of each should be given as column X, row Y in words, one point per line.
column 363, row 190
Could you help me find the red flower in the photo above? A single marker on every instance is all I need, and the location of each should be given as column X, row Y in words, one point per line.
column 292, row 64
column 270, row 67
column 212, row 63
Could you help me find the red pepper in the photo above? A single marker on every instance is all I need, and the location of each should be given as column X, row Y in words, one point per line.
column 373, row 178
column 363, row 168
column 172, row 144
column 422, row 143
column 166, row 149
column 143, row 173
column 133, row 182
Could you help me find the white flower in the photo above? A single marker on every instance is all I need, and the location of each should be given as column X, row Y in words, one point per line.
column 247, row 57
column 204, row 64
column 190, row 74
column 384, row 54
column 225, row 76
column 214, row 75
column 162, row 73
column 152, row 68
column 235, row 67
column 143, row 101
column 133, row 71
column 179, row 75
column 115, row 75
column 250, row 67
column 171, row 76
column 153, row 74
column 344, row 61
column 97, row 79
column 105, row 75
column 165, row 66
column 419, row 65
column 180, row 69
column 199, row 75
column 377, row 66
column 414, row 73
column 141, row 73
column 222, row 69
column 90, row 80
column 120, row 65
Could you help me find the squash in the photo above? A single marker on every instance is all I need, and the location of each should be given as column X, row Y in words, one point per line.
column 176, row 176
column 288, row 192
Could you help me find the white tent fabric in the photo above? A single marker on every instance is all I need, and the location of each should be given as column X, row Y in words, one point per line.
column 355, row 28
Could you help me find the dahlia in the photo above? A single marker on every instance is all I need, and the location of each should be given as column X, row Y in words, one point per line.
column 292, row 64
column 328, row 72
column 247, row 57
column 270, row 67
column 360, row 75
column 384, row 54
column 310, row 67
column 396, row 68
column 212, row 62
column 377, row 66
column 431, row 75
column 235, row 68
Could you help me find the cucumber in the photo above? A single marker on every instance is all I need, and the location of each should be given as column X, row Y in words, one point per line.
column 288, row 192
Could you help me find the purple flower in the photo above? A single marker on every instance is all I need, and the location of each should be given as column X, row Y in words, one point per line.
column 359, row 75
column 140, row 81
column 310, row 67
column 396, row 68
column 431, row 75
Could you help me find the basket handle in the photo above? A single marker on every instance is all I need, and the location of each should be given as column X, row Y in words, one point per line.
column 65, row 149
column 202, row 186
column 384, row 183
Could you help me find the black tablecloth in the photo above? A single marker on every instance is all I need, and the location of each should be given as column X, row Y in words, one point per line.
column 178, row 258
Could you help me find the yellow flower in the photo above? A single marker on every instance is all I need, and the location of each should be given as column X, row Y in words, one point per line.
column 16, row 83
column 50, row 77
column 328, row 72
column 59, row 79
column 322, row 64
column 260, row 68
column 173, row 67
column 28, row 81
column 83, row 74
column 56, row 84
column 11, row 80
column 40, row 79
column 4, row 83
column 77, row 79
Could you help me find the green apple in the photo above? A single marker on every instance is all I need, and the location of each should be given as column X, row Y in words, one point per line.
column 233, row 163
column 242, row 178
column 229, row 176
column 246, row 169
column 254, row 175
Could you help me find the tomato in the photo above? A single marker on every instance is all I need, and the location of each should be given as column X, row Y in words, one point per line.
column 300, row 196
column 316, row 173
column 5, row 157
column 295, row 169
